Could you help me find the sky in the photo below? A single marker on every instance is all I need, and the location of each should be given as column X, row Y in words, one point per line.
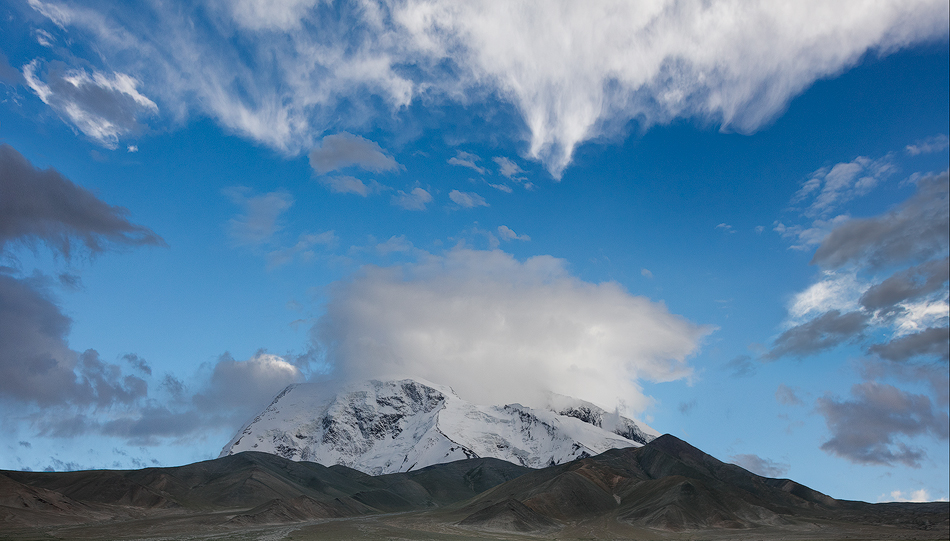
column 728, row 220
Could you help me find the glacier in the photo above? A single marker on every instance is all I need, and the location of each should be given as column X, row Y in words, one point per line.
column 393, row 426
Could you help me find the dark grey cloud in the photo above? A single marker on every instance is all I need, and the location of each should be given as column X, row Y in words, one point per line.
column 138, row 363
column 933, row 374
column 43, row 206
column 819, row 334
column 872, row 427
column 344, row 150
column 760, row 466
column 36, row 364
column 932, row 342
column 232, row 393
column 248, row 384
column 907, row 284
column 916, row 230
column 741, row 366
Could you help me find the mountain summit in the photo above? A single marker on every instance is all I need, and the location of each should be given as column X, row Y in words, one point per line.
column 381, row 427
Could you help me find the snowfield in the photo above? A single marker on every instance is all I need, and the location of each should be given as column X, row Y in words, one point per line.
column 382, row 427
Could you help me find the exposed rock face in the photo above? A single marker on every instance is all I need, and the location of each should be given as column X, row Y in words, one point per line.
column 395, row 426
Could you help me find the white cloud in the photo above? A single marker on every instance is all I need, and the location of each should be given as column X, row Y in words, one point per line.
column 103, row 107
column 835, row 291
column 506, row 233
column 417, row 199
column 466, row 159
column 726, row 227
column 270, row 14
column 577, row 70
column 346, row 150
column 499, row 330
column 574, row 71
column 467, row 199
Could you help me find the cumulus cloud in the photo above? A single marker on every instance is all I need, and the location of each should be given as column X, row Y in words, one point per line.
column 417, row 199
column 347, row 150
column 466, row 159
column 499, row 330
column 866, row 429
column 247, row 385
column 467, row 199
column 36, row 363
column 104, row 107
column 760, row 466
column 574, row 72
column 43, row 206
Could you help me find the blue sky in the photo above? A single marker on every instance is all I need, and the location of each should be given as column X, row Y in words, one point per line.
column 728, row 219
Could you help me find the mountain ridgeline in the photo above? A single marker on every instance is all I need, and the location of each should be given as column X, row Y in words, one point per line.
column 666, row 485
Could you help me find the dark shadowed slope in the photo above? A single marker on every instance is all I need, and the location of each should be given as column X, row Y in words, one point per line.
column 670, row 485
column 274, row 487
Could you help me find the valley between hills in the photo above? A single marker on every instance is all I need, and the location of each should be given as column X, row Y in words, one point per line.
column 664, row 490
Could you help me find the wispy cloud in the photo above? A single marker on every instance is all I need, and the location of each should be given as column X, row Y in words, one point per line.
column 466, row 159
column 467, row 199
column 339, row 67
column 260, row 219
column 929, row 145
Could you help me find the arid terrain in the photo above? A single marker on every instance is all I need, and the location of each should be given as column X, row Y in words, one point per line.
column 666, row 489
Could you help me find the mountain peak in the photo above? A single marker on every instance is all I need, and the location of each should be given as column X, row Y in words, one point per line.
column 388, row 426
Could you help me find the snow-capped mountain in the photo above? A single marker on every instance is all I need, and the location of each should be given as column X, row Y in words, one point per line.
column 395, row 426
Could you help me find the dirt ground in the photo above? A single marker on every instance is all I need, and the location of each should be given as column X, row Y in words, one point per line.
column 423, row 526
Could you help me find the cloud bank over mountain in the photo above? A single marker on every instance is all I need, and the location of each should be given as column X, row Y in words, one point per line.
column 500, row 330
